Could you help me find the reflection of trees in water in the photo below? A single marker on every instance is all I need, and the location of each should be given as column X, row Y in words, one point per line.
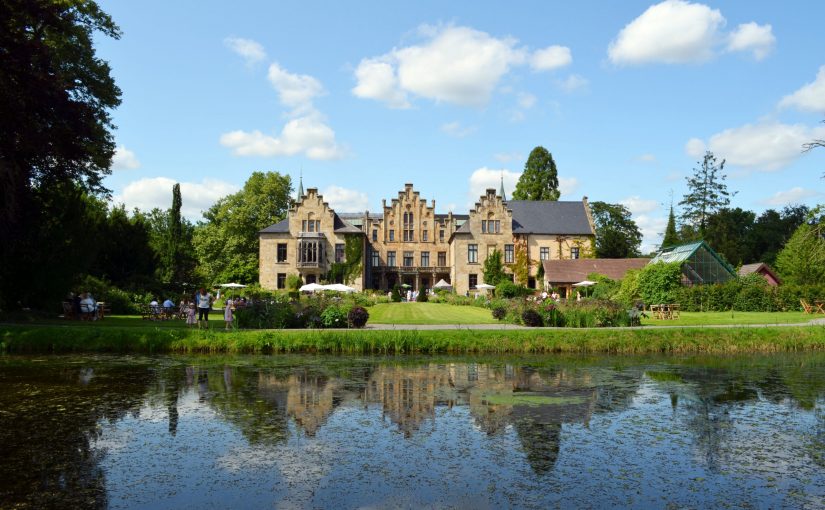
column 57, row 411
column 540, row 441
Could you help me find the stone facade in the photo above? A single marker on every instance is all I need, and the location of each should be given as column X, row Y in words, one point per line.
column 409, row 243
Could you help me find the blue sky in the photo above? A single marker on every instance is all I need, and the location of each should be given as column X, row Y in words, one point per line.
column 363, row 97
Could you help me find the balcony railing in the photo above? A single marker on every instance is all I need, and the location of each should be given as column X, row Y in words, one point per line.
column 412, row 269
column 315, row 264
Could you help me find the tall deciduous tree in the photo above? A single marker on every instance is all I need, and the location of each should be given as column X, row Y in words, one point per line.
column 802, row 260
column 55, row 102
column 707, row 193
column 617, row 235
column 730, row 233
column 540, row 179
column 227, row 242
column 671, row 235
column 772, row 230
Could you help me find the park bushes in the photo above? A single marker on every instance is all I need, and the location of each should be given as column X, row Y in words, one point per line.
column 747, row 294
column 317, row 311
column 584, row 314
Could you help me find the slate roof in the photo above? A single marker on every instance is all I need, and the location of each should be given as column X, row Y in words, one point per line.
column 758, row 267
column 549, row 217
column 576, row 270
column 278, row 228
column 342, row 227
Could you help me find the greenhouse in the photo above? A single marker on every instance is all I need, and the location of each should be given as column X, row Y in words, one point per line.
column 700, row 264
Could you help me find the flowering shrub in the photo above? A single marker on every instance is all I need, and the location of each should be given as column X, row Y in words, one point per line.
column 499, row 312
column 531, row 318
column 358, row 317
column 334, row 317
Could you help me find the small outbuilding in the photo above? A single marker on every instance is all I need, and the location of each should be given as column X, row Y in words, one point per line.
column 700, row 264
column 763, row 270
column 562, row 274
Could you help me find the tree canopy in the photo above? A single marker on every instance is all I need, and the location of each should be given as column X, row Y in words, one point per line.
column 802, row 260
column 617, row 235
column 493, row 269
column 227, row 243
column 55, row 136
column 540, row 179
column 707, row 193
column 671, row 235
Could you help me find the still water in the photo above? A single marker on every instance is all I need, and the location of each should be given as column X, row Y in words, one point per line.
column 345, row 432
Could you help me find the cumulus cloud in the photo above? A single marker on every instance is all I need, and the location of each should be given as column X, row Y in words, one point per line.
column 810, row 97
column 483, row 178
column 695, row 148
column 670, row 32
column 652, row 229
column 680, row 32
column 455, row 129
column 345, row 200
column 638, row 205
column 148, row 193
column 251, row 51
column 124, row 159
column 294, row 90
column 452, row 64
column 763, row 146
column 552, row 57
column 377, row 80
column 308, row 135
column 752, row 37
column 572, row 83
column 792, row 196
column 568, row 186
column 307, row 132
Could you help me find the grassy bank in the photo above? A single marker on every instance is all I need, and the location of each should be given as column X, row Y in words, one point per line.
column 57, row 339
column 428, row 313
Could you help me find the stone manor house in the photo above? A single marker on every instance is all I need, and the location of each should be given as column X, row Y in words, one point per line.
column 409, row 243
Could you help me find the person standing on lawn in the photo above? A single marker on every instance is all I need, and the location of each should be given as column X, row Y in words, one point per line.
column 203, row 300
column 227, row 314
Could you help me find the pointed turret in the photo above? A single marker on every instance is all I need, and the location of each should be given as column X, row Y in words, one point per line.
column 501, row 191
column 300, row 187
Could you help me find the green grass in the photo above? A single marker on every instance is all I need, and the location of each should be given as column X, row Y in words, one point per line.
column 428, row 313
column 717, row 318
column 149, row 339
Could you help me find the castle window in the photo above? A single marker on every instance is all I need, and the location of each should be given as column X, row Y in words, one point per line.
column 574, row 253
column 544, row 253
column 391, row 258
column 508, row 253
column 472, row 253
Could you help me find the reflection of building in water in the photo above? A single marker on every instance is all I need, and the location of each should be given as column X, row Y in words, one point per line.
column 310, row 397
column 409, row 395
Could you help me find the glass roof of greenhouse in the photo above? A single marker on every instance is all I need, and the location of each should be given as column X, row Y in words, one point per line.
column 700, row 264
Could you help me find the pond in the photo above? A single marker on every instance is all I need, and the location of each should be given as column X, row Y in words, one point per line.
column 467, row 432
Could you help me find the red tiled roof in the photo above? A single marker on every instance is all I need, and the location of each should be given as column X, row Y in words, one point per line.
column 758, row 267
column 576, row 270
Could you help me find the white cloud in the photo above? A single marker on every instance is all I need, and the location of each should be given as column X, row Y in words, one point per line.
column 149, row 193
column 792, row 196
column 251, row 51
column 764, row 146
column 552, row 57
column 752, row 37
column 124, row 159
column 456, row 130
column 345, row 200
column 483, row 178
column 568, row 186
column 458, row 65
column 638, row 205
column 526, row 100
column 572, row 83
column 305, row 133
column 646, row 158
column 516, row 116
column 670, row 32
column 294, row 90
column 810, row 97
column 695, row 148
column 308, row 135
column 506, row 157
column 652, row 229
column 377, row 80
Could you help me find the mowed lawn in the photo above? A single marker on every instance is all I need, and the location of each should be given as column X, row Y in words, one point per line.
column 716, row 318
column 428, row 313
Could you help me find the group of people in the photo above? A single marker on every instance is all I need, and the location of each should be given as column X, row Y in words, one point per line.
column 203, row 303
column 84, row 305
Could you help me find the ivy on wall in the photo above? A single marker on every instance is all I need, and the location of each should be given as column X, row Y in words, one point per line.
column 350, row 269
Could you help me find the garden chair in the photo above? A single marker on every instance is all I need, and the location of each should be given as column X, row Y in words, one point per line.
column 674, row 311
column 68, row 310
column 806, row 307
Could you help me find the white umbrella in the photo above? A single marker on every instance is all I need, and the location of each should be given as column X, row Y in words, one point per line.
column 338, row 287
column 232, row 286
column 585, row 283
column 485, row 286
column 442, row 285
column 311, row 287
